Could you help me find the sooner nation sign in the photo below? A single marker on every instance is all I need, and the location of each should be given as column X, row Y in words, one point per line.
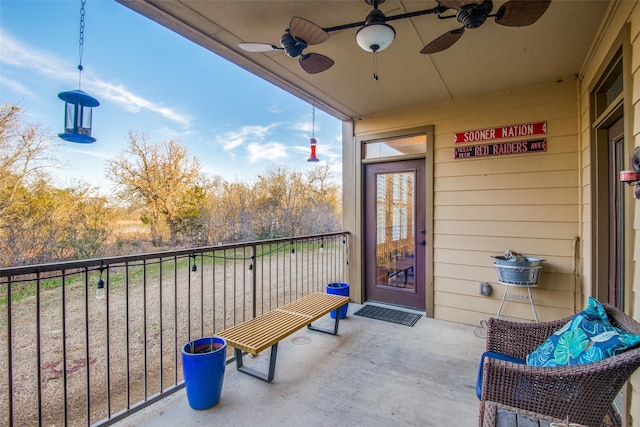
column 501, row 132
column 500, row 149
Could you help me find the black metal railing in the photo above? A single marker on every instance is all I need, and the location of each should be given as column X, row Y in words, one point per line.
column 90, row 342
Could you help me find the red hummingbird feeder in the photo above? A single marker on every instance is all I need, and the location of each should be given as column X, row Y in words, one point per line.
column 313, row 157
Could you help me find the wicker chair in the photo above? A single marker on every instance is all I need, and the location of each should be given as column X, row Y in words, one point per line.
column 584, row 393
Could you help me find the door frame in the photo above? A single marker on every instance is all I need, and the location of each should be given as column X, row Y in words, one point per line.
column 360, row 140
column 617, row 202
column 601, row 124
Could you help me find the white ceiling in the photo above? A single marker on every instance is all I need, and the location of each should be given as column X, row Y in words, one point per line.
column 488, row 59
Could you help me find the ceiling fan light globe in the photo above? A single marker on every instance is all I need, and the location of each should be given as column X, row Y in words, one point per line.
column 375, row 37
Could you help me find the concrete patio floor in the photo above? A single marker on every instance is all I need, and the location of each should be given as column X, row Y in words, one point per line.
column 373, row 373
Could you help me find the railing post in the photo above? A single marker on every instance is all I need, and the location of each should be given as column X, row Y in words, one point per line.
column 254, row 282
column 10, row 349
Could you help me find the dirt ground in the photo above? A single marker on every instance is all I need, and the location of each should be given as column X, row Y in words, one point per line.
column 126, row 347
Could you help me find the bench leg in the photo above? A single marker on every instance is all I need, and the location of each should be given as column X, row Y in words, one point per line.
column 260, row 375
column 328, row 331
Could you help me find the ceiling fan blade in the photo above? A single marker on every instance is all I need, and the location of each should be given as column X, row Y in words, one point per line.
column 457, row 4
column 443, row 42
column 307, row 31
column 520, row 13
column 314, row 63
column 258, row 47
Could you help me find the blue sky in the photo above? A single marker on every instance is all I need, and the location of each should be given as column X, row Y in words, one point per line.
column 151, row 80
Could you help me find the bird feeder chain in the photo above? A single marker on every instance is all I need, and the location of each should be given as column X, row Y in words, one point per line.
column 81, row 42
column 313, row 119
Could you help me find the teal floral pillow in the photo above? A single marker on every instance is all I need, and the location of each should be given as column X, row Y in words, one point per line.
column 588, row 337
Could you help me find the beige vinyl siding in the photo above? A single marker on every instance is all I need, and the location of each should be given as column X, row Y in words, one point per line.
column 483, row 206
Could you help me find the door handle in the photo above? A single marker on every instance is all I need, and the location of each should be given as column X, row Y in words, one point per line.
column 423, row 243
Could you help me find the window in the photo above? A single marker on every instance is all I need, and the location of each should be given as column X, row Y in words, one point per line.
column 395, row 147
column 610, row 89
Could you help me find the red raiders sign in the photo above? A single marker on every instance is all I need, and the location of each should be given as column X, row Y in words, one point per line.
column 502, row 132
column 500, row 149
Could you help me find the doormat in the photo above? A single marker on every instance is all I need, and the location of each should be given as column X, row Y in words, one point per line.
column 388, row 315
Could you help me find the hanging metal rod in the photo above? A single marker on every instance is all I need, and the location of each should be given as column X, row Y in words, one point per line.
column 436, row 10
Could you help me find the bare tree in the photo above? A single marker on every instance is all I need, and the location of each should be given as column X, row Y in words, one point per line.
column 230, row 212
column 324, row 195
column 89, row 220
column 299, row 204
column 24, row 154
column 160, row 178
column 51, row 224
column 280, row 202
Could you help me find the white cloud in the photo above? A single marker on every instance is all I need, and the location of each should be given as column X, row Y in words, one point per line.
column 97, row 154
column 15, row 86
column 251, row 134
column 275, row 109
column 267, row 151
column 128, row 100
column 20, row 55
column 306, row 127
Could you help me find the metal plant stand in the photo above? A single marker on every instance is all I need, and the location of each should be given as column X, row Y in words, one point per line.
column 518, row 277
column 506, row 291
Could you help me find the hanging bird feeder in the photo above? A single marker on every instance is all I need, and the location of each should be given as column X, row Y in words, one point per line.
column 313, row 157
column 78, row 104
column 77, row 116
column 313, row 141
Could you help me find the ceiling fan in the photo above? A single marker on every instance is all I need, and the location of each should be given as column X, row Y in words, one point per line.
column 300, row 34
column 375, row 34
column 472, row 14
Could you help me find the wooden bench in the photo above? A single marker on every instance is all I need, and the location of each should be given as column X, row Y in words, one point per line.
column 268, row 329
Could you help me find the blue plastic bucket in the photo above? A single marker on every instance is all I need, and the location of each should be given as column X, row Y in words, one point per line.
column 341, row 289
column 204, row 372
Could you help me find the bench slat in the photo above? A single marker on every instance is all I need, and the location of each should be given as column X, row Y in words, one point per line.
column 315, row 305
column 260, row 333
